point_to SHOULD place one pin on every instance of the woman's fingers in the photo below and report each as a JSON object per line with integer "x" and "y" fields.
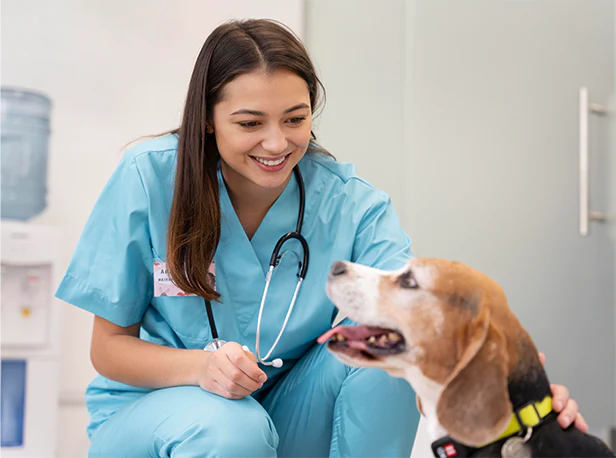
{"x": 218, "y": 389}
{"x": 580, "y": 423}
{"x": 247, "y": 363}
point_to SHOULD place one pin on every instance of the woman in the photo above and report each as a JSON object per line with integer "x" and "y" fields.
{"x": 189, "y": 220}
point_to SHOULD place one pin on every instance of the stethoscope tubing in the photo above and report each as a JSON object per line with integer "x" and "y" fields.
{"x": 274, "y": 261}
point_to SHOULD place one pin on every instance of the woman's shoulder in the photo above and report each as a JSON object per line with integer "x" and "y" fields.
{"x": 153, "y": 163}
{"x": 340, "y": 176}
{"x": 150, "y": 149}
{"x": 344, "y": 173}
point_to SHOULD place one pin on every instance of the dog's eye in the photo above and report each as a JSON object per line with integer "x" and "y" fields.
{"x": 407, "y": 280}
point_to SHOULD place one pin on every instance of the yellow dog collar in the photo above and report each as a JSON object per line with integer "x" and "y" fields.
{"x": 522, "y": 419}
{"x": 530, "y": 416}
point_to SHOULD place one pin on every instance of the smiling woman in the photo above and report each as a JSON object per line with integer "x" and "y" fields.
{"x": 211, "y": 199}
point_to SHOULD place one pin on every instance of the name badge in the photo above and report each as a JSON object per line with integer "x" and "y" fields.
{"x": 163, "y": 286}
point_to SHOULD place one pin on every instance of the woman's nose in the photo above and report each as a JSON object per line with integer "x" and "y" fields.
{"x": 275, "y": 142}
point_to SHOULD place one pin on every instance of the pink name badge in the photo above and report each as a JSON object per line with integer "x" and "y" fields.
{"x": 163, "y": 286}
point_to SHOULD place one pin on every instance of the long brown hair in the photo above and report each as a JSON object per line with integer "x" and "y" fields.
{"x": 232, "y": 49}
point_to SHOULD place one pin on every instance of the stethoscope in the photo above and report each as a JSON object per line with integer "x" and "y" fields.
{"x": 274, "y": 262}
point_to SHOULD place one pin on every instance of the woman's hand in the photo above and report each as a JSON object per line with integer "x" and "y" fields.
{"x": 565, "y": 407}
{"x": 231, "y": 372}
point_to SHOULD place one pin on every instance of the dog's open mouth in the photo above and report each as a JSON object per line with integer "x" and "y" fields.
{"x": 367, "y": 342}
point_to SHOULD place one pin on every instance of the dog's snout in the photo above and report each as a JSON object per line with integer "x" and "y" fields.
{"x": 338, "y": 268}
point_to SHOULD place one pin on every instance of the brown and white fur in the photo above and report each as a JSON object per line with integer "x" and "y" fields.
{"x": 461, "y": 348}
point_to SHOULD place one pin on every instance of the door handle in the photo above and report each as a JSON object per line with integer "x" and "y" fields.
{"x": 586, "y": 214}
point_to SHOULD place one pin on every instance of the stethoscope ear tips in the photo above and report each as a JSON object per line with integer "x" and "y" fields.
{"x": 277, "y": 363}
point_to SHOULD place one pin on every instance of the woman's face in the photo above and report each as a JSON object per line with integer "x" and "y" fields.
{"x": 262, "y": 127}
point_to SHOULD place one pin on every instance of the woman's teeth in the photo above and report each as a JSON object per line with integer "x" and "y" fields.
{"x": 270, "y": 163}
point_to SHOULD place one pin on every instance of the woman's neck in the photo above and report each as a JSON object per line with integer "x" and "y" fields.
{"x": 250, "y": 201}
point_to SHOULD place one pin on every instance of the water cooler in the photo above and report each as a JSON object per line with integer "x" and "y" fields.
{"x": 30, "y": 348}
{"x": 30, "y": 344}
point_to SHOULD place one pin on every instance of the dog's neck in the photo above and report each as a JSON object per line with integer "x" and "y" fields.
{"x": 429, "y": 393}
{"x": 527, "y": 383}
{"x": 528, "y": 380}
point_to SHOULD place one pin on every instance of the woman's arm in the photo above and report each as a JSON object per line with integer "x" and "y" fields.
{"x": 119, "y": 354}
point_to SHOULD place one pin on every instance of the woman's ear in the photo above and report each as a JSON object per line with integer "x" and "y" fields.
{"x": 208, "y": 128}
{"x": 474, "y": 407}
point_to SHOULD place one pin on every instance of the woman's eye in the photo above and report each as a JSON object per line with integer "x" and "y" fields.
{"x": 297, "y": 120}
{"x": 249, "y": 124}
{"x": 407, "y": 281}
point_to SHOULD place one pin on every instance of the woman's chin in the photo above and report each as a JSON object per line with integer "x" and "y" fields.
{"x": 271, "y": 183}
{"x": 272, "y": 180}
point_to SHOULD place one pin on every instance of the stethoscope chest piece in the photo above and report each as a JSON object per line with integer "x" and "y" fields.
{"x": 214, "y": 345}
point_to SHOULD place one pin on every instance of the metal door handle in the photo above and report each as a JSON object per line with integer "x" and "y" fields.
{"x": 586, "y": 214}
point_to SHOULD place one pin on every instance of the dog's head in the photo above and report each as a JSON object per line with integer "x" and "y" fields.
{"x": 438, "y": 318}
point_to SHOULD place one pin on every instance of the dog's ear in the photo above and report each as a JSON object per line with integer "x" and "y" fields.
{"x": 474, "y": 406}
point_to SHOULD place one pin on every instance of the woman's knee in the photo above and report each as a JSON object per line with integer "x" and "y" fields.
{"x": 187, "y": 422}
{"x": 247, "y": 432}
{"x": 373, "y": 392}
{"x": 224, "y": 427}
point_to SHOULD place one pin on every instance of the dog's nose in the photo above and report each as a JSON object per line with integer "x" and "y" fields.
{"x": 338, "y": 268}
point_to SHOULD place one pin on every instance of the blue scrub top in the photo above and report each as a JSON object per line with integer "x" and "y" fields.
{"x": 111, "y": 271}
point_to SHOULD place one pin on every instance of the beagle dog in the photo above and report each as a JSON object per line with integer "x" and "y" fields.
{"x": 447, "y": 329}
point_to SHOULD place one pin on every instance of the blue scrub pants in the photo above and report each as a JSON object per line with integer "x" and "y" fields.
{"x": 320, "y": 408}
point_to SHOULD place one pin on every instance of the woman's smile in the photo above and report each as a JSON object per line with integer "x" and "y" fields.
{"x": 271, "y": 164}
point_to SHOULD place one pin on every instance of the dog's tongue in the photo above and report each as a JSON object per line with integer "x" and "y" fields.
{"x": 352, "y": 333}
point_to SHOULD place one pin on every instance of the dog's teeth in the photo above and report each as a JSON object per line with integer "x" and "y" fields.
{"x": 372, "y": 339}
{"x": 383, "y": 339}
{"x": 394, "y": 337}
{"x": 339, "y": 338}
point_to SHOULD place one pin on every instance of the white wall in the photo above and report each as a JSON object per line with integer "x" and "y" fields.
{"x": 114, "y": 71}
{"x": 358, "y": 48}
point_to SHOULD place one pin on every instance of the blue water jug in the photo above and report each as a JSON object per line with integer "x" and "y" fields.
{"x": 25, "y": 145}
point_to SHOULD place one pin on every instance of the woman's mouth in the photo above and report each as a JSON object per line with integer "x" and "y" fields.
{"x": 271, "y": 165}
